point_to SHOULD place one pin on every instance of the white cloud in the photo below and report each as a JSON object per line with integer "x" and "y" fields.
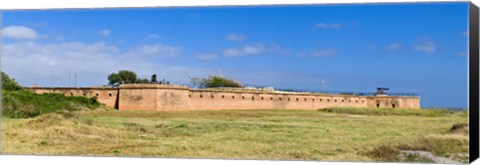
{"x": 322, "y": 25}
{"x": 208, "y": 56}
{"x": 236, "y": 37}
{"x": 317, "y": 53}
{"x": 465, "y": 33}
{"x": 394, "y": 47}
{"x": 252, "y": 49}
{"x": 157, "y": 50}
{"x": 153, "y": 36}
{"x": 105, "y": 32}
{"x": 32, "y": 62}
{"x": 426, "y": 45}
{"x": 20, "y": 32}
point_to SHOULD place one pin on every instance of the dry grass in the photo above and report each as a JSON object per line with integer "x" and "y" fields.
{"x": 395, "y": 111}
{"x": 236, "y": 134}
{"x": 443, "y": 145}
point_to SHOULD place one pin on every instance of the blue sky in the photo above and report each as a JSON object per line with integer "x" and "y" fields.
{"x": 419, "y": 48}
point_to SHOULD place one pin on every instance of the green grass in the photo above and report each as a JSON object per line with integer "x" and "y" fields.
{"x": 235, "y": 134}
{"x": 25, "y": 104}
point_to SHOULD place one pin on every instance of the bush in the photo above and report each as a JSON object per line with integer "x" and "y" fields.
{"x": 461, "y": 128}
{"x": 384, "y": 153}
{"x": 9, "y": 84}
{"x": 25, "y": 104}
{"x": 215, "y": 81}
{"x": 125, "y": 77}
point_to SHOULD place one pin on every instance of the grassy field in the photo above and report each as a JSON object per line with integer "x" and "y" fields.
{"x": 329, "y": 134}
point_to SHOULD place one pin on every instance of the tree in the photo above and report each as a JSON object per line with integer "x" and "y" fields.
{"x": 125, "y": 77}
{"x": 9, "y": 84}
{"x": 142, "y": 81}
{"x": 122, "y": 77}
{"x": 214, "y": 81}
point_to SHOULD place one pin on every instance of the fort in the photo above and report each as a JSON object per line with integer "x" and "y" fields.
{"x": 177, "y": 97}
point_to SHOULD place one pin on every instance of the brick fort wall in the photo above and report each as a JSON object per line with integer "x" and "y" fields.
{"x": 175, "y": 97}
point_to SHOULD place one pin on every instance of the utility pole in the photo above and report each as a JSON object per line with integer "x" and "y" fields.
{"x": 52, "y": 79}
{"x": 75, "y": 80}
{"x": 69, "y": 80}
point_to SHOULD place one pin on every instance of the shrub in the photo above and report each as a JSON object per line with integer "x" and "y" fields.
{"x": 125, "y": 77}
{"x": 25, "y": 104}
{"x": 461, "y": 128}
{"x": 215, "y": 81}
{"x": 384, "y": 152}
{"x": 9, "y": 84}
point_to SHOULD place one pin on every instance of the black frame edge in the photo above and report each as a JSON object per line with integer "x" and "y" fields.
{"x": 474, "y": 82}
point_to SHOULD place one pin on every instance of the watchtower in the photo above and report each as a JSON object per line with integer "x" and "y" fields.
{"x": 381, "y": 91}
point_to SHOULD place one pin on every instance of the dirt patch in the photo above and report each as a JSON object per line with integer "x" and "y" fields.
{"x": 438, "y": 148}
{"x": 425, "y": 156}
